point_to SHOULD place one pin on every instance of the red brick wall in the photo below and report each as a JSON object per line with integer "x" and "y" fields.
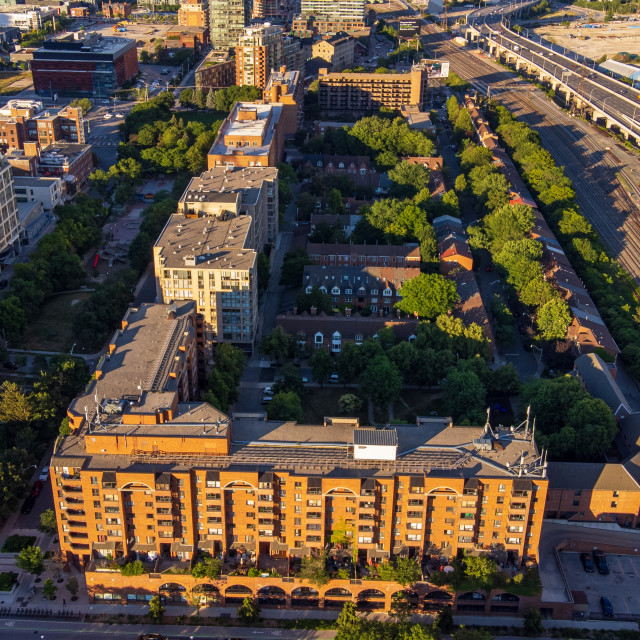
{"x": 126, "y": 66}
{"x": 62, "y": 76}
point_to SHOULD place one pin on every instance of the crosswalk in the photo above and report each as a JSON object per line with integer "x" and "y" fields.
{"x": 104, "y": 141}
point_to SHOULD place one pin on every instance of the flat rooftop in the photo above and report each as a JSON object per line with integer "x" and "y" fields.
{"x": 55, "y": 153}
{"x": 139, "y": 366}
{"x": 434, "y": 448}
{"x": 207, "y": 242}
{"x": 221, "y": 180}
{"x": 262, "y": 127}
{"x": 92, "y": 43}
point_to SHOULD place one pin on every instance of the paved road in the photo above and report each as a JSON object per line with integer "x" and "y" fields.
{"x": 611, "y": 96}
{"x": 59, "y": 630}
{"x": 574, "y": 144}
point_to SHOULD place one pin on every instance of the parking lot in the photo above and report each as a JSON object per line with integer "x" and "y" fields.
{"x": 620, "y": 586}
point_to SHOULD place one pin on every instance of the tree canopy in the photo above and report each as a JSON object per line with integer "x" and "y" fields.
{"x": 428, "y": 296}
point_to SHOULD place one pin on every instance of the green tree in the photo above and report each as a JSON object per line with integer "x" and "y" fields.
{"x": 554, "y": 319}
{"x": 350, "y": 362}
{"x": 186, "y": 97}
{"x": 342, "y": 534}
{"x": 49, "y": 589}
{"x": 401, "y": 609}
{"x": 481, "y": 568}
{"x": 290, "y": 380}
{"x": 349, "y": 404}
{"x": 408, "y": 179}
{"x": 48, "y": 523}
{"x": 381, "y": 381}
{"x": 276, "y": 345}
{"x": 464, "y": 633}
{"x": 444, "y": 620}
{"x": 321, "y": 364}
{"x": 264, "y": 271}
{"x": 348, "y": 623}
{"x": 306, "y": 205}
{"x": 211, "y": 100}
{"x": 460, "y": 184}
{"x": 293, "y": 266}
{"x": 314, "y": 569}
{"x": 31, "y": 560}
{"x": 285, "y": 405}
{"x": 463, "y": 127}
{"x": 135, "y": 568}
{"x": 15, "y": 405}
{"x": 72, "y": 587}
{"x": 428, "y": 296}
{"x": 463, "y": 396}
{"x": 13, "y": 318}
{"x": 532, "y": 623}
{"x": 249, "y": 611}
{"x": 156, "y": 610}
{"x": 207, "y": 568}
{"x": 407, "y": 571}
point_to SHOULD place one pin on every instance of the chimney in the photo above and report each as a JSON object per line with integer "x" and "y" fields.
{"x": 347, "y": 313}
{"x": 314, "y": 311}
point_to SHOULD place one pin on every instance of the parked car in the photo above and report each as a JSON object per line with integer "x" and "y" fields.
{"x": 44, "y": 474}
{"x": 333, "y": 379}
{"x": 607, "y": 607}
{"x": 268, "y": 391}
{"x": 37, "y": 488}
{"x": 587, "y": 562}
{"x": 28, "y": 504}
{"x": 267, "y": 399}
{"x": 601, "y": 562}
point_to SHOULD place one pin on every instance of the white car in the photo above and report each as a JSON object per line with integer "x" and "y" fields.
{"x": 107, "y": 116}
{"x": 119, "y": 115}
{"x": 268, "y": 391}
{"x": 44, "y": 474}
{"x": 266, "y": 399}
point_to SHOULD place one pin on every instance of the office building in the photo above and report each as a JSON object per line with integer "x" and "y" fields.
{"x": 194, "y": 13}
{"x": 248, "y": 191}
{"x": 83, "y": 65}
{"x": 338, "y": 50}
{"x": 26, "y": 18}
{"x": 216, "y": 71}
{"x": 259, "y": 50}
{"x": 369, "y": 91}
{"x": 9, "y": 224}
{"x": 286, "y": 88}
{"x": 227, "y": 20}
{"x": 251, "y": 136}
{"x": 210, "y": 258}
{"x": 294, "y": 56}
{"x": 48, "y": 191}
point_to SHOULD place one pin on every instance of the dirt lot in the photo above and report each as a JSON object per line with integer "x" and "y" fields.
{"x": 140, "y": 32}
{"x": 611, "y": 38}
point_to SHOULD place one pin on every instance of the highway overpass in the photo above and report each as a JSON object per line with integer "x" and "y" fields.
{"x": 578, "y": 78}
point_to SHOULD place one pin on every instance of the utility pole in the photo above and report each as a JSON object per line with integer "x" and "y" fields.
{"x": 445, "y": 16}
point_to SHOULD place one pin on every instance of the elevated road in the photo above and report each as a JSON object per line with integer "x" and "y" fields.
{"x": 576, "y": 75}
{"x": 574, "y": 144}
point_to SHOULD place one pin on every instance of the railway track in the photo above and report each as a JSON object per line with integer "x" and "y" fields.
{"x": 595, "y": 172}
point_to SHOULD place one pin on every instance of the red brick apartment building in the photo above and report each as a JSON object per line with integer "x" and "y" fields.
{"x": 379, "y": 255}
{"x": 149, "y": 472}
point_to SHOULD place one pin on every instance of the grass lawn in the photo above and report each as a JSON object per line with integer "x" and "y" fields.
{"x": 206, "y": 117}
{"x": 16, "y": 543}
{"x": 7, "y": 78}
{"x": 7, "y": 580}
{"x": 53, "y": 329}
